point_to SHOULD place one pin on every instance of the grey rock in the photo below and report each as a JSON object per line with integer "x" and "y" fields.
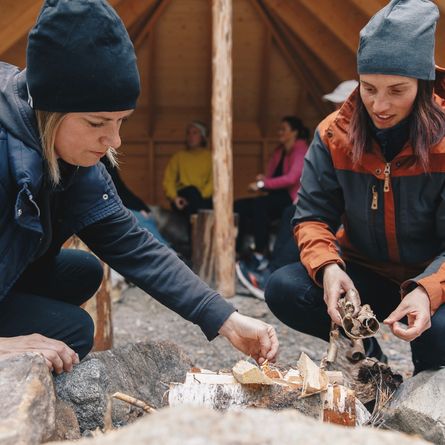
{"x": 141, "y": 370}
{"x": 202, "y": 426}
{"x": 418, "y": 406}
{"x": 27, "y": 414}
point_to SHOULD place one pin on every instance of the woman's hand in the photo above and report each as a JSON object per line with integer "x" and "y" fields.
{"x": 58, "y": 356}
{"x": 180, "y": 202}
{"x": 416, "y": 307}
{"x": 252, "y": 187}
{"x": 252, "y": 337}
{"x": 335, "y": 283}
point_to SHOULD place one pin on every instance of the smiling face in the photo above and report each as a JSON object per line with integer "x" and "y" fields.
{"x": 387, "y": 99}
{"x": 83, "y": 138}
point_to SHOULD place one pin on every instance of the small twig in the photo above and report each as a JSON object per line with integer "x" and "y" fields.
{"x": 133, "y": 401}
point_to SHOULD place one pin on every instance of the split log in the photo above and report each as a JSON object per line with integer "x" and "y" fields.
{"x": 248, "y": 374}
{"x": 339, "y": 406}
{"x": 223, "y": 392}
{"x": 314, "y": 379}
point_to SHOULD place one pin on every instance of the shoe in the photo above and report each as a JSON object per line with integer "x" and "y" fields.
{"x": 251, "y": 279}
{"x": 255, "y": 261}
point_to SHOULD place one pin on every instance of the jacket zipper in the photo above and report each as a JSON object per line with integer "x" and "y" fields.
{"x": 375, "y": 199}
{"x": 387, "y": 173}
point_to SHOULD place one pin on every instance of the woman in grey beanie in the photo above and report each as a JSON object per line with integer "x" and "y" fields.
{"x": 371, "y": 209}
{"x": 58, "y": 118}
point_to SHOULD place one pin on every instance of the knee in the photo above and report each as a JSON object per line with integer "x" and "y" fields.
{"x": 93, "y": 274}
{"x": 286, "y": 285}
{"x": 84, "y": 341}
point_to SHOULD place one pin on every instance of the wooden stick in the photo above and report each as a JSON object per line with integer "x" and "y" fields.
{"x": 133, "y": 401}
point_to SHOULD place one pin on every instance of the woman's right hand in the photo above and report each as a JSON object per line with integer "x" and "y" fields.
{"x": 336, "y": 282}
{"x": 58, "y": 356}
{"x": 180, "y": 202}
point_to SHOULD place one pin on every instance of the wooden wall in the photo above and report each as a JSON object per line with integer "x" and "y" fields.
{"x": 286, "y": 54}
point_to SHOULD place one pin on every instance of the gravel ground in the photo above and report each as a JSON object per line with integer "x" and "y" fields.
{"x": 138, "y": 317}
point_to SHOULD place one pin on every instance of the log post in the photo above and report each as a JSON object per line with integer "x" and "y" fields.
{"x": 224, "y": 233}
{"x": 99, "y": 305}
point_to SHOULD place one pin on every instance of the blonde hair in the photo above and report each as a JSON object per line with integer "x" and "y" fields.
{"x": 48, "y": 122}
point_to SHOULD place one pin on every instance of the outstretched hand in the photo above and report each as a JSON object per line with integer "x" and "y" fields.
{"x": 416, "y": 307}
{"x": 252, "y": 337}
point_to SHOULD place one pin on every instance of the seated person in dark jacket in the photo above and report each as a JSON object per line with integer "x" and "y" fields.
{"x": 132, "y": 202}
{"x": 58, "y": 118}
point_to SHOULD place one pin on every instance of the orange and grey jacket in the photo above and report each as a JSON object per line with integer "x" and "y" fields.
{"x": 387, "y": 216}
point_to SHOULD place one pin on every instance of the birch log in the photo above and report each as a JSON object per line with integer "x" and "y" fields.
{"x": 222, "y": 147}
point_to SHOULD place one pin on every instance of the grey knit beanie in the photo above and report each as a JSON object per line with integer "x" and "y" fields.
{"x": 399, "y": 40}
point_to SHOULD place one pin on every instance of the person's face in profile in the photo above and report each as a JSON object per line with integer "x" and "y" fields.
{"x": 83, "y": 138}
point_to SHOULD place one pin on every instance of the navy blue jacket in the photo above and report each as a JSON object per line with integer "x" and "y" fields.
{"x": 89, "y": 207}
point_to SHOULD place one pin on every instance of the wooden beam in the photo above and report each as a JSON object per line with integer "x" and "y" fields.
{"x": 310, "y": 64}
{"x": 304, "y": 77}
{"x": 17, "y": 28}
{"x": 130, "y": 11}
{"x": 369, "y": 7}
{"x": 224, "y": 231}
{"x": 151, "y": 23}
{"x": 313, "y": 33}
{"x": 334, "y": 16}
{"x": 265, "y": 83}
{"x": 27, "y": 12}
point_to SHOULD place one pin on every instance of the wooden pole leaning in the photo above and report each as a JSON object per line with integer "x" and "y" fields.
{"x": 224, "y": 230}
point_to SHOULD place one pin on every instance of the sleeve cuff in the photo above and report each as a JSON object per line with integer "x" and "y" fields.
{"x": 432, "y": 286}
{"x": 217, "y": 311}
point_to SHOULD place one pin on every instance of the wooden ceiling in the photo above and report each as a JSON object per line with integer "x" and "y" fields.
{"x": 316, "y": 42}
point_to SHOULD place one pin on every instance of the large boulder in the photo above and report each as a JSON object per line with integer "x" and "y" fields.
{"x": 141, "y": 370}
{"x": 418, "y": 406}
{"x": 201, "y": 426}
{"x": 27, "y": 400}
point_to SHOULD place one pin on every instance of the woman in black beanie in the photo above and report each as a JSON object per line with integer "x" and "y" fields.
{"x": 58, "y": 118}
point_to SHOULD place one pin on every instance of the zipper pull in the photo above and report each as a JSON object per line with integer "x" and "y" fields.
{"x": 375, "y": 199}
{"x": 387, "y": 173}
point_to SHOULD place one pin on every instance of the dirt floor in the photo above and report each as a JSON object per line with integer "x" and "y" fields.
{"x": 138, "y": 317}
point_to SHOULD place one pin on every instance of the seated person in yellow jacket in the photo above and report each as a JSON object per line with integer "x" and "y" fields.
{"x": 188, "y": 176}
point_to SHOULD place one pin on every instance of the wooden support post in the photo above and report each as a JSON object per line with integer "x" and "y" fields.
{"x": 224, "y": 233}
{"x": 99, "y": 305}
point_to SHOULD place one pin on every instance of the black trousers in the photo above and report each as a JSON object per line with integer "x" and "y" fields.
{"x": 285, "y": 250}
{"x": 47, "y": 297}
{"x": 194, "y": 199}
{"x": 256, "y": 214}
{"x": 298, "y": 302}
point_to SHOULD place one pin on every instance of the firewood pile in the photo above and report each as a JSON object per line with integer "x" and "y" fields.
{"x": 337, "y": 391}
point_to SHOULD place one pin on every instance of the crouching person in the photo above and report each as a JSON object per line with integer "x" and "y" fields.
{"x": 58, "y": 118}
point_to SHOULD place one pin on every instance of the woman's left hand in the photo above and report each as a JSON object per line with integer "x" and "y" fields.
{"x": 252, "y": 337}
{"x": 416, "y": 307}
{"x": 253, "y": 187}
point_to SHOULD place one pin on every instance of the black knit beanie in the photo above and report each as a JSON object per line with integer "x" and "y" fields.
{"x": 80, "y": 59}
